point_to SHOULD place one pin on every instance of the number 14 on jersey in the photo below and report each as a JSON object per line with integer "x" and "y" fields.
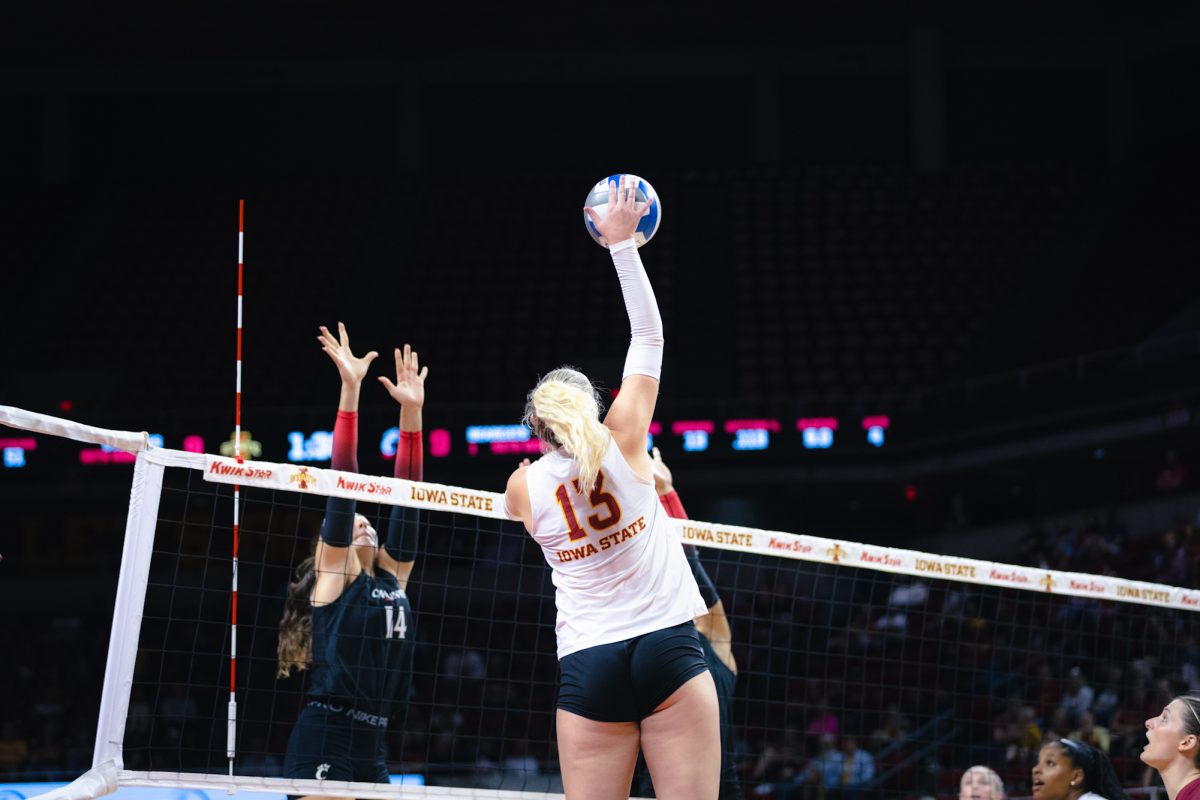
{"x": 400, "y": 628}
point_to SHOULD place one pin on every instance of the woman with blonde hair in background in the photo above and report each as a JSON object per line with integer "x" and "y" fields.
{"x": 1173, "y": 747}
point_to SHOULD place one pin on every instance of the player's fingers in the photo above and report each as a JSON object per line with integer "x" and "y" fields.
{"x": 424, "y": 372}
{"x": 371, "y": 356}
{"x": 646, "y": 210}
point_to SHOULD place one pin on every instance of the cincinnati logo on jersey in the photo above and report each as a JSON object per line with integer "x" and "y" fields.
{"x": 384, "y": 594}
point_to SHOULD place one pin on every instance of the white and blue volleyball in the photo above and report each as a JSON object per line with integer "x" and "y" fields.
{"x": 597, "y": 200}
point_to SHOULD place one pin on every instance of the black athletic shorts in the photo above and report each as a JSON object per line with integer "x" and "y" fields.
{"x": 332, "y": 741}
{"x": 625, "y": 681}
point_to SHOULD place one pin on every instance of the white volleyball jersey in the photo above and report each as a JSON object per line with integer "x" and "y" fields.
{"x": 618, "y": 564}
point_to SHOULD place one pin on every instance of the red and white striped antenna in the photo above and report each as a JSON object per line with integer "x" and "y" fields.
{"x": 231, "y": 733}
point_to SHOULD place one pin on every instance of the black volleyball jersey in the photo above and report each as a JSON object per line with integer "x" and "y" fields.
{"x": 363, "y": 645}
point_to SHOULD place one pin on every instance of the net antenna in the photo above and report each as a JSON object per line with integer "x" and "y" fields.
{"x": 231, "y": 735}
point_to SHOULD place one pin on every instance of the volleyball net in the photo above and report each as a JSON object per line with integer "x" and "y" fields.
{"x": 863, "y": 671}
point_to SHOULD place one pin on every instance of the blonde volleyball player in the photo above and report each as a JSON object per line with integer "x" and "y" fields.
{"x": 1173, "y": 747}
{"x": 347, "y": 618}
{"x": 631, "y": 669}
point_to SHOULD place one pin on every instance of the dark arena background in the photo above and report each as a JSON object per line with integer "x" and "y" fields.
{"x": 930, "y": 280}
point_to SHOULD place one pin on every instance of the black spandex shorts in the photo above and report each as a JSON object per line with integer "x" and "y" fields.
{"x": 625, "y": 681}
{"x": 334, "y": 742}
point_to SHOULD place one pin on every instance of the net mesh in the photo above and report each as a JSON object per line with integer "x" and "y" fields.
{"x": 852, "y": 681}
{"x": 863, "y": 671}
{"x": 483, "y": 620}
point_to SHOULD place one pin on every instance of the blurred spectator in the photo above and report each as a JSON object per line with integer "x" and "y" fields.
{"x": 465, "y": 665}
{"x": 1189, "y": 669}
{"x": 488, "y": 774}
{"x": 859, "y": 634}
{"x": 894, "y": 728}
{"x": 1047, "y": 692}
{"x": 1077, "y": 698}
{"x": 824, "y": 723}
{"x": 780, "y": 761}
{"x": 1109, "y": 697}
{"x": 14, "y": 750}
{"x": 826, "y": 750}
{"x": 1172, "y": 475}
{"x": 981, "y": 783}
{"x": 1058, "y": 726}
{"x": 1168, "y": 563}
{"x": 519, "y": 763}
{"x": 847, "y": 770}
{"x": 1129, "y": 721}
{"x": 1090, "y": 733}
{"x": 1018, "y": 732}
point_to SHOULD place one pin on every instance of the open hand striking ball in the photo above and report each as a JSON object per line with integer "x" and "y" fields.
{"x": 597, "y": 200}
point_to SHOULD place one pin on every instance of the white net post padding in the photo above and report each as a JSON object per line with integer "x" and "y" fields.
{"x": 96, "y": 782}
{"x": 127, "y": 611}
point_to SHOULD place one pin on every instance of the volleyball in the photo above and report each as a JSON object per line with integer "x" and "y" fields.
{"x": 597, "y": 200}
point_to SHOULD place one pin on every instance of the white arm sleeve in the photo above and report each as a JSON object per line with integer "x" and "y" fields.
{"x": 645, "y": 323}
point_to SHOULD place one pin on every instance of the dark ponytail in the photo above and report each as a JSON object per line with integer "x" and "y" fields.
{"x": 295, "y": 629}
{"x": 1098, "y": 773}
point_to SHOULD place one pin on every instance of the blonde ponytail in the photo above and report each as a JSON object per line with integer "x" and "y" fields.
{"x": 563, "y": 410}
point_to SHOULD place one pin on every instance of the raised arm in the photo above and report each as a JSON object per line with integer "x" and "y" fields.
{"x": 631, "y": 412}
{"x": 404, "y": 524}
{"x": 336, "y": 563}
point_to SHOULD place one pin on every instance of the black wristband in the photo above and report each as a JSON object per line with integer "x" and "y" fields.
{"x": 338, "y": 528}
{"x": 403, "y": 534}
